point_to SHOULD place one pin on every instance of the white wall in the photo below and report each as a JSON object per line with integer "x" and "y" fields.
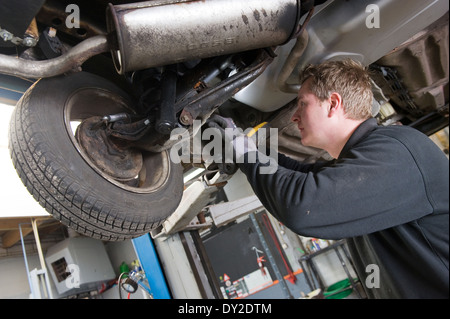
{"x": 121, "y": 251}
{"x": 14, "y": 198}
{"x": 13, "y": 277}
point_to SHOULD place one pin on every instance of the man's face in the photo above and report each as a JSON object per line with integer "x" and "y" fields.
{"x": 310, "y": 117}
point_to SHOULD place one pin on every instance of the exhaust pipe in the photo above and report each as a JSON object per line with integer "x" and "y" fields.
{"x": 70, "y": 61}
{"x": 156, "y": 33}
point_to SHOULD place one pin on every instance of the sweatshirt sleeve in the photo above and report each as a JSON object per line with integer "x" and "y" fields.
{"x": 291, "y": 164}
{"x": 294, "y": 165}
{"x": 357, "y": 195}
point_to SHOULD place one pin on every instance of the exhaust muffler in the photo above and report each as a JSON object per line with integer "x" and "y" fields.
{"x": 161, "y": 32}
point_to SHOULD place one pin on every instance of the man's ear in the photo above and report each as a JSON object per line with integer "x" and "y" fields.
{"x": 335, "y": 104}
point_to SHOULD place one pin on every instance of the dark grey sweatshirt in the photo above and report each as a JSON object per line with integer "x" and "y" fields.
{"x": 387, "y": 193}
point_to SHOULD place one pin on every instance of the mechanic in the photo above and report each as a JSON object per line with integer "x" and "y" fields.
{"x": 386, "y": 190}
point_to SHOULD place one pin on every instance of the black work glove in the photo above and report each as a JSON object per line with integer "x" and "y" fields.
{"x": 233, "y": 137}
{"x": 222, "y": 123}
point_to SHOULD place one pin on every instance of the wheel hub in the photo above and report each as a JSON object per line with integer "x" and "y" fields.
{"x": 107, "y": 153}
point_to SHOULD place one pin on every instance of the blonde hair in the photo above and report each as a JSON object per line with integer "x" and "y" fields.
{"x": 348, "y": 78}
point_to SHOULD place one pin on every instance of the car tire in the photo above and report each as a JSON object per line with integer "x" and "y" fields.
{"x": 57, "y": 172}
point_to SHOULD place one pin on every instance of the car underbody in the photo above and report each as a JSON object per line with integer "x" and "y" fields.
{"x": 123, "y": 76}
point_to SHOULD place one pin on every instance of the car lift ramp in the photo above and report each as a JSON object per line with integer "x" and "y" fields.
{"x": 170, "y": 240}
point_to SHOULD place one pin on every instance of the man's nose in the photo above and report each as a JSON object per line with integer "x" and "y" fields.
{"x": 295, "y": 117}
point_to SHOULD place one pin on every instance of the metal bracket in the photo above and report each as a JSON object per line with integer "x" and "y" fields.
{"x": 194, "y": 199}
{"x": 209, "y": 99}
{"x": 224, "y": 213}
{"x": 27, "y": 41}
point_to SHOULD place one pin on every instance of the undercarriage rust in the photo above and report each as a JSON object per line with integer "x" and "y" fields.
{"x": 121, "y": 163}
{"x": 208, "y": 100}
{"x": 421, "y": 66}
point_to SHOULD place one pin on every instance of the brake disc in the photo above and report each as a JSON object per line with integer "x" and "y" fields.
{"x": 112, "y": 158}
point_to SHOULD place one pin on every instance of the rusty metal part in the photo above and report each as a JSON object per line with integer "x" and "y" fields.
{"x": 205, "y": 102}
{"x": 32, "y": 31}
{"x": 421, "y": 69}
{"x": 69, "y": 61}
{"x": 30, "y": 38}
{"x": 156, "y": 33}
{"x": 129, "y": 130}
{"x": 54, "y": 14}
{"x": 120, "y": 163}
{"x": 294, "y": 57}
{"x": 290, "y": 64}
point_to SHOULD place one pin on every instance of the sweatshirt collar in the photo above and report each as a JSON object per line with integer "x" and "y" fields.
{"x": 361, "y": 131}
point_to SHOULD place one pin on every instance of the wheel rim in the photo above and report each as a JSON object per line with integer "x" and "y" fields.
{"x": 88, "y": 102}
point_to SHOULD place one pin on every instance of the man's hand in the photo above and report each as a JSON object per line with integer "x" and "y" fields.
{"x": 232, "y": 135}
{"x": 224, "y": 124}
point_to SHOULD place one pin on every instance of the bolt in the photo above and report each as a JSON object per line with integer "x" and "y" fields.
{"x": 29, "y": 42}
{"x": 6, "y": 36}
{"x": 185, "y": 119}
{"x": 164, "y": 127}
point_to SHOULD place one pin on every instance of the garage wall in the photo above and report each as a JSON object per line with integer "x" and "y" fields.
{"x": 118, "y": 252}
{"x": 14, "y": 197}
{"x": 13, "y": 277}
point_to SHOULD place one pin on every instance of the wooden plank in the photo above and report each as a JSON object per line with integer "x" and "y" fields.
{"x": 10, "y": 238}
{"x": 11, "y": 225}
